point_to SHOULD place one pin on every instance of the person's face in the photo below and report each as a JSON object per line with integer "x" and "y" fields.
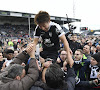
{"x": 44, "y": 26}
{"x": 93, "y": 61}
{"x": 10, "y": 56}
{"x": 90, "y": 43}
{"x": 98, "y": 47}
{"x": 77, "y": 56}
{"x": 5, "y": 43}
{"x": 93, "y": 49}
{"x": 63, "y": 55}
{"x": 83, "y": 40}
{"x": 1, "y": 57}
{"x": 74, "y": 38}
{"x": 86, "y": 49}
{"x": 15, "y": 53}
{"x": 15, "y": 43}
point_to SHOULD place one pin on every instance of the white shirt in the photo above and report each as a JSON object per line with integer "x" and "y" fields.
{"x": 8, "y": 62}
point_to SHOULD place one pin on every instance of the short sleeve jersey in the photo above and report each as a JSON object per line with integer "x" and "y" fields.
{"x": 51, "y": 37}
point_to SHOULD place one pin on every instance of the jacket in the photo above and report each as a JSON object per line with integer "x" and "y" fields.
{"x": 81, "y": 69}
{"x": 26, "y": 82}
{"x": 73, "y": 45}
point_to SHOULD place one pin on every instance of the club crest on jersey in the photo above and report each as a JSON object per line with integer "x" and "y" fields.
{"x": 48, "y": 43}
{"x": 57, "y": 30}
{"x": 50, "y": 34}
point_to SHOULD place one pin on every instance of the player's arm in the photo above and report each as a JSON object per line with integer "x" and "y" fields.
{"x": 35, "y": 41}
{"x": 66, "y": 46}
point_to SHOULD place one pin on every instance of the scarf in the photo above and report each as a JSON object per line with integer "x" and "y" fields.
{"x": 93, "y": 71}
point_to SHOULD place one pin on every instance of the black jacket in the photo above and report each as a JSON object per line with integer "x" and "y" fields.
{"x": 73, "y": 45}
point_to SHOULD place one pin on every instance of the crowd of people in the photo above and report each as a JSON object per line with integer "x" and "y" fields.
{"x": 9, "y": 30}
{"x": 52, "y": 60}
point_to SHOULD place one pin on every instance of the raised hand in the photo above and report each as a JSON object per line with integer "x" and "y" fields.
{"x": 30, "y": 49}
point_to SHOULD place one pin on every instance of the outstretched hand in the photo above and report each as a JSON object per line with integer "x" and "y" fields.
{"x": 31, "y": 50}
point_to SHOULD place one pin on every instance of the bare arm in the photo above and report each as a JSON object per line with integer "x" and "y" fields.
{"x": 66, "y": 46}
{"x": 35, "y": 41}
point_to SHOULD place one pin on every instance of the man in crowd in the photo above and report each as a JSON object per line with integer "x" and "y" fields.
{"x": 62, "y": 57}
{"x": 94, "y": 66}
{"x": 93, "y": 82}
{"x": 80, "y": 64}
{"x": 93, "y": 50}
{"x": 73, "y": 44}
{"x": 15, "y": 53}
{"x": 98, "y": 48}
{"x": 15, "y": 77}
{"x": 80, "y": 67}
{"x": 86, "y": 51}
{"x": 8, "y": 54}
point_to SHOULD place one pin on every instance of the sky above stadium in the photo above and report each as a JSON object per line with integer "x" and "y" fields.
{"x": 86, "y": 10}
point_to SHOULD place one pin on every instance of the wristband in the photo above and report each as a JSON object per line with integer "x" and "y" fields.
{"x": 25, "y": 52}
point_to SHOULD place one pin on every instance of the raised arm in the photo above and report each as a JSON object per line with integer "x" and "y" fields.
{"x": 66, "y": 46}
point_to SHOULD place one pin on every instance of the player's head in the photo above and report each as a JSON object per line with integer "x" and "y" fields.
{"x": 42, "y": 19}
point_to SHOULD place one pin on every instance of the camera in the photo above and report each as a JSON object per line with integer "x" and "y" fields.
{"x": 71, "y": 28}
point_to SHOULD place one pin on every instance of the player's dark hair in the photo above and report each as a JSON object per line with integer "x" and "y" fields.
{"x": 41, "y": 17}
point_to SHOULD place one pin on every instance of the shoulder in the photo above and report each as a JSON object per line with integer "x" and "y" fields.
{"x": 53, "y": 24}
{"x": 59, "y": 31}
{"x": 77, "y": 43}
{"x": 37, "y": 28}
{"x": 86, "y": 61}
{"x": 17, "y": 84}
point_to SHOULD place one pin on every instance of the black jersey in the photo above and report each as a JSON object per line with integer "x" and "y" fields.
{"x": 51, "y": 37}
